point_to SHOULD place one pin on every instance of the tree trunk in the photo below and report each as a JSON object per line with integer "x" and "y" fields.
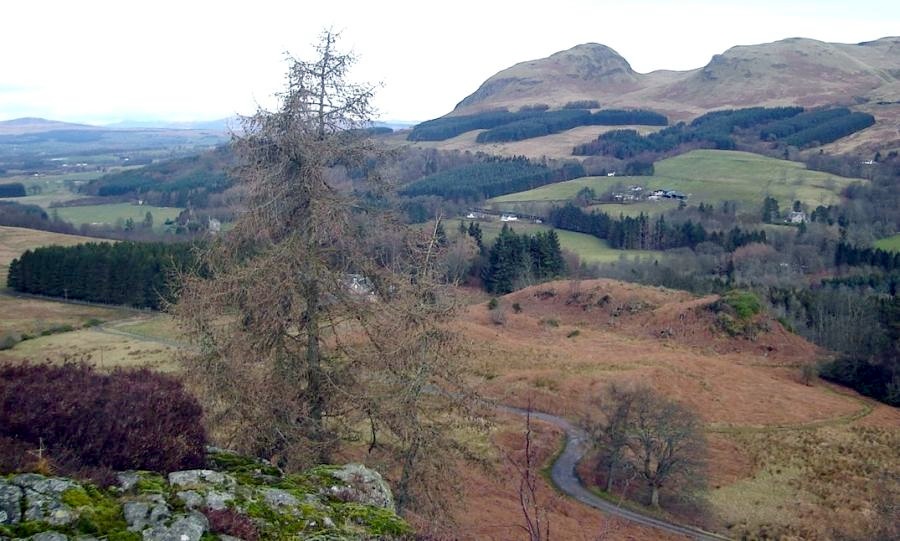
{"x": 609, "y": 477}
{"x": 654, "y": 496}
{"x": 314, "y": 367}
{"x": 402, "y": 495}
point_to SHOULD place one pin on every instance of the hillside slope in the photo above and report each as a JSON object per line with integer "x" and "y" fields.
{"x": 775, "y": 444}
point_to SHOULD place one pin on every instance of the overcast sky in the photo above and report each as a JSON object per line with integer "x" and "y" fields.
{"x": 104, "y": 61}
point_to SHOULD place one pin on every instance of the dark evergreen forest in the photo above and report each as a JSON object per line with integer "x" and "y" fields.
{"x": 516, "y": 260}
{"x": 529, "y": 122}
{"x": 644, "y": 233}
{"x": 125, "y": 273}
{"x": 12, "y": 189}
{"x": 491, "y": 178}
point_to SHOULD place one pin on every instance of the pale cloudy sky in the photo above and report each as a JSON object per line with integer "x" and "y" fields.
{"x": 104, "y": 61}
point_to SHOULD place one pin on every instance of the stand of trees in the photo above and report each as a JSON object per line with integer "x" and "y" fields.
{"x": 33, "y": 217}
{"x": 644, "y": 233}
{"x": 550, "y": 122}
{"x": 491, "y": 178}
{"x": 788, "y": 125}
{"x": 515, "y": 260}
{"x": 12, "y": 189}
{"x": 529, "y": 122}
{"x": 447, "y": 127}
{"x": 177, "y": 182}
{"x": 816, "y": 127}
{"x": 712, "y": 130}
{"x": 845, "y": 254}
{"x": 125, "y": 273}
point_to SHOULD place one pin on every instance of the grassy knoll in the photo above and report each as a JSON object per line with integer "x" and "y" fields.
{"x": 710, "y": 176}
{"x": 15, "y": 240}
{"x": 802, "y": 479}
{"x": 158, "y": 327}
{"x": 55, "y": 187}
{"x": 31, "y": 316}
{"x": 95, "y": 346}
{"x": 890, "y": 243}
{"x": 589, "y": 249}
{"x": 111, "y": 214}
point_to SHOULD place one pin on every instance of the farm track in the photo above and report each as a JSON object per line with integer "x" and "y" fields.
{"x": 112, "y": 328}
{"x": 564, "y": 477}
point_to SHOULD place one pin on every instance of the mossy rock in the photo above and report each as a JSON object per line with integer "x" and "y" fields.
{"x": 326, "y": 502}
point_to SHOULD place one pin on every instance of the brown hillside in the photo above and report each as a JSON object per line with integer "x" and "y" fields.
{"x": 568, "y": 340}
{"x": 571, "y": 338}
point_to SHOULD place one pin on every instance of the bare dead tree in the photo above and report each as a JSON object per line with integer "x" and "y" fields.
{"x": 535, "y": 512}
{"x": 317, "y": 314}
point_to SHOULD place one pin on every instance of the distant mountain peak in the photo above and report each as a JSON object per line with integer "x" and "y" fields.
{"x": 589, "y": 65}
{"x": 31, "y": 124}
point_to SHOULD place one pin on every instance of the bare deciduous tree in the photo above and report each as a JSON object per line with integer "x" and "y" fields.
{"x": 666, "y": 441}
{"x": 610, "y": 432}
{"x": 658, "y": 439}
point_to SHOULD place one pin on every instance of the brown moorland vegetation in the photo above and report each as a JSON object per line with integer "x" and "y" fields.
{"x": 785, "y": 459}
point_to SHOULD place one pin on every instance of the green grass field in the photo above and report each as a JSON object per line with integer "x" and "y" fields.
{"x": 54, "y": 187}
{"x": 710, "y": 176}
{"x": 589, "y": 249}
{"x": 111, "y": 214}
{"x": 892, "y": 244}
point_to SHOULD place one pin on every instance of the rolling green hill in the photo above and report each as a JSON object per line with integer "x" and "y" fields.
{"x": 588, "y": 248}
{"x": 115, "y": 213}
{"x": 709, "y": 176}
{"x": 891, "y": 244}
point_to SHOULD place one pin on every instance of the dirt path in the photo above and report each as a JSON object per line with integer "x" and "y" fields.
{"x": 113, "y": 328}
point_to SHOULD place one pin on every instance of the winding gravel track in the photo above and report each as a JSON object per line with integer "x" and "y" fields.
{"x": 566, "y": 480}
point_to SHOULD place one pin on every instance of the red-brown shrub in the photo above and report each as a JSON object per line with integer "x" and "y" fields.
{"x": 128, "y": 419}
{"x": 230, "y": 522}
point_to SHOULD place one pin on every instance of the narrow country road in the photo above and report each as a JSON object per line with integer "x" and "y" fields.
{"x": 566, "y": 480}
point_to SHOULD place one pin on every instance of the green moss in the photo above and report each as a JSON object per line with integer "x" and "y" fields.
{"x": 25, "y": 529}
{"x": 124, "y": 536}
{"x": 375, "y": 520}
{"x": 99, "y": 513}
{"x": 76, "y": 497}
{"x": 151, "y": 482}
{"x": 275, "y": 525}
{"x": 236, "y": 464}
{"x": 299, "y": 485}
{"x": 744, "y": 303}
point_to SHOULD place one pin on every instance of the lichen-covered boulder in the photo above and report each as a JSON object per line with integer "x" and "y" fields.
{"x": 200, "y": 478}
{"x": 152, "y": 510}
{"x": 189, "y": 527}
{"x": 48, "y": 536}
{"x": 363, "y": 485}
{"x": 10, "y": 503}
{"x": 44, "y": 498}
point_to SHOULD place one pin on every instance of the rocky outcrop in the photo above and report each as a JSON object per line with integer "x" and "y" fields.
{"x": 236, "y": 498}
